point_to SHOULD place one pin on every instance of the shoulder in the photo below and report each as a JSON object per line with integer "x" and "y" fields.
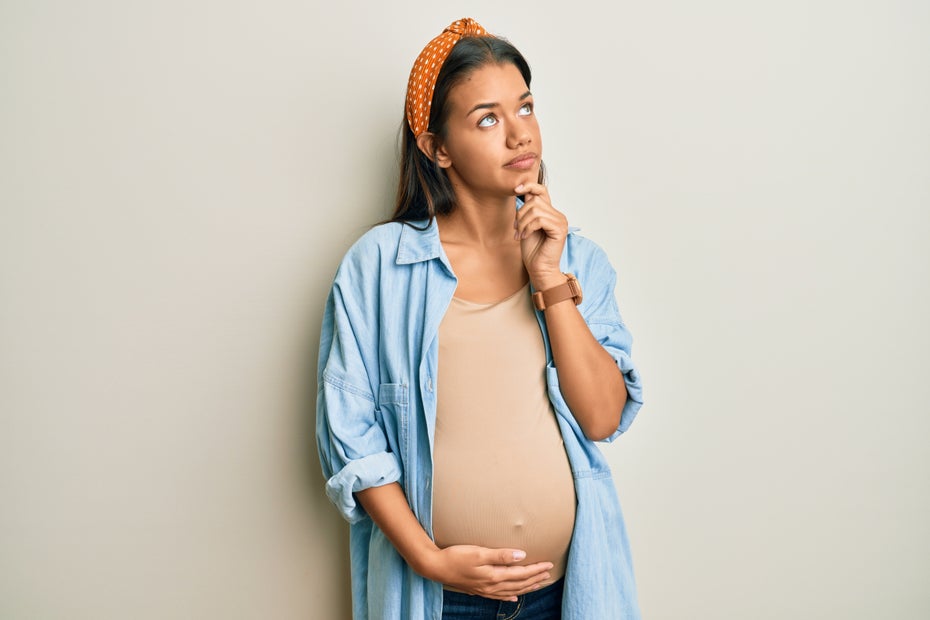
{"x": 598, "y": 279}
{"x": 585, "y": 258}
{"x": 378, "y": 240}
{"x": 384, "y": 254}
{"x": 377, "y": 246}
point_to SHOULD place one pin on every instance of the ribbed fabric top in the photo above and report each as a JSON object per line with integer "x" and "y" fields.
{"x": 501, "y": 477}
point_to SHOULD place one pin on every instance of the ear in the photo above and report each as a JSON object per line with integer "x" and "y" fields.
{"x": 431, "y": 146}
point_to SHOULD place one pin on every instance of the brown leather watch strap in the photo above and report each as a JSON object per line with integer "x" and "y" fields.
{"x": 551, "y": 296}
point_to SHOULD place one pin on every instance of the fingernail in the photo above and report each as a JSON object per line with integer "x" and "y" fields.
{"x": 518, "y": 188}
{"x": 519, "y": 555}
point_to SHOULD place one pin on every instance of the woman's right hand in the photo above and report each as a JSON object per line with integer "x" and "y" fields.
{"x": 491, "y": 573}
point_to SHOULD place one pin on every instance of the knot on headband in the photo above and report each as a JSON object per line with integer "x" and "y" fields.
{"x": 426, "y": 68}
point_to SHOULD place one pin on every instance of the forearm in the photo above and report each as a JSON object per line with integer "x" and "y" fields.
{"x": 387, "y": 506}
{"x": 589, "y": 378}
{"x": 493, "y": 573}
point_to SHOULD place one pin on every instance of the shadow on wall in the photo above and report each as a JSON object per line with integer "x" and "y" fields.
{"x": 361, "y": 206}
{"x": 331, "y": 576}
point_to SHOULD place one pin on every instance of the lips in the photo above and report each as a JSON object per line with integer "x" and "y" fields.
{"x": 524, "y": 161}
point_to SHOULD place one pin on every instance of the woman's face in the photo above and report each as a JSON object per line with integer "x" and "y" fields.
{"x": 492, "y": 142}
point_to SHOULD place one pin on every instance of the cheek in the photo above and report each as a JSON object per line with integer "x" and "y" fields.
{"x": 470, "y": 154}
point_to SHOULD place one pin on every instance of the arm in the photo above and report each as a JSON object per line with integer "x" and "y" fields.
{"x": 491, "y": 573}
{"x": 590, "y": 379}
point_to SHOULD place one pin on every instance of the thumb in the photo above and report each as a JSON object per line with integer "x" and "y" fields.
{"x": 510, "y": 556}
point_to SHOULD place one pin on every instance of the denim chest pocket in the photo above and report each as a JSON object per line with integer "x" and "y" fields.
{"x": 393, "y": 403}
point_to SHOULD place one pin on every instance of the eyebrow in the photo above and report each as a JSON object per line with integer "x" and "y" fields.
{"x": 487, "y": 106}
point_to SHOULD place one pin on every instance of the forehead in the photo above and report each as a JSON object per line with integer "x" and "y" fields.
{"x": 490, "y": 84}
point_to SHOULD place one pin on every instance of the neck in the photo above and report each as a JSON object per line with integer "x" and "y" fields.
{"x": 479, "y": 220}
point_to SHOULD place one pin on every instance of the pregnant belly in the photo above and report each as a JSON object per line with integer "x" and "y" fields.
{"x": 519, "y": 497}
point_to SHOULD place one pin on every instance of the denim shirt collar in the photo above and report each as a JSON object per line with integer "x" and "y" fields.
{"x": 419, "y": 242}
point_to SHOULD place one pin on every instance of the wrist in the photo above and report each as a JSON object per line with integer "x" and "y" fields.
{"x": 568, "y": 289}
{"x": 547, "y": 280}
{"x": 427, "y": 562}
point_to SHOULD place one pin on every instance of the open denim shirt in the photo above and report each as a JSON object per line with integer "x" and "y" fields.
{"x": 376, "y": 415}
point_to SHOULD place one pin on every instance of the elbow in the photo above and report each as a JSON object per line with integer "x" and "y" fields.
{"x": 602, "y": 429}
{"x": 597, "y": 436}
{"x": 602, "y": 424}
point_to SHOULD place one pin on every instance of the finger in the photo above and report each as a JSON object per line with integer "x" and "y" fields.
{"x": 505, "y": 575}
{"x": 534, "y": 201}
{"x": 536, "y": 210}
{"x": 529, "y": 227}
{"x": 546, "y": 222}
{"x": 510, "y": 598}
{"x": 529, "y": 585}
{"x": 502, "y": 556}
{"x": 511, "y": 590}
{"x": 530, "y": 189}
{"x": 512, "y": 586}
{"x": 531, "y": 193}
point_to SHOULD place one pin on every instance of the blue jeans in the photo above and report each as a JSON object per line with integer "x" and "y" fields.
{"x": 543, "y": 604}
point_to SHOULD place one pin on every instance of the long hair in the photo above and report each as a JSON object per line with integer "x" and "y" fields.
{"x": 424, "y": 190}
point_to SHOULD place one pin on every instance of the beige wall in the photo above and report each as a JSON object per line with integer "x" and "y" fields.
{"x": 179, "y": 179}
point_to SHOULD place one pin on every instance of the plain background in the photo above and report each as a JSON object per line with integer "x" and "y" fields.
{"x": 180, "y": 179}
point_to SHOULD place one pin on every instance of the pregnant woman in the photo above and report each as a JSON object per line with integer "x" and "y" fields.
{"x": 472, "y": 352}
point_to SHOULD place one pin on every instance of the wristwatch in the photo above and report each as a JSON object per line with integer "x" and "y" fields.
{"x": 551, "y": 296}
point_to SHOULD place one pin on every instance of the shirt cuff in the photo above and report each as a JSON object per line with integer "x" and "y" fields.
{"x": 634, "y": 390}
{"x": 374, "y": 470}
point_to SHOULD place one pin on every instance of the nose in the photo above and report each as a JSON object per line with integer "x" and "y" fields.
{"x": 519, "y": 135}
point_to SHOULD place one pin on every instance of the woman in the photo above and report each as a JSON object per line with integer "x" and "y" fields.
{"x": 472, "y": 352}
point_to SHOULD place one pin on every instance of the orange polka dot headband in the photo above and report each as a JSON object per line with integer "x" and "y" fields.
{"x": 425, "y": 70}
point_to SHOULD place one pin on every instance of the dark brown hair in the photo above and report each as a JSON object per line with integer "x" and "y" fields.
{"x": 424, "y": 190}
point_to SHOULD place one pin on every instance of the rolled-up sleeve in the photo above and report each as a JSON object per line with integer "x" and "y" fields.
{"x": 353, "y": 447}
{"x": 606, "y": 324}
{"x": 616, "y": 340}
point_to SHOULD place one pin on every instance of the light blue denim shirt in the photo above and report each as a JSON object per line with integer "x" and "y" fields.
{"x": 376, "y": 418}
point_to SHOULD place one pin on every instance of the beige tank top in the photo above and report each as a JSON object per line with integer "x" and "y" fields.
{"x": 501, "y": 476}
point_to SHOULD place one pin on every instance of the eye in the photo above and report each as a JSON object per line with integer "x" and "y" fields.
{"x": 487, "y": 121}
{"x": 525, "y": 110}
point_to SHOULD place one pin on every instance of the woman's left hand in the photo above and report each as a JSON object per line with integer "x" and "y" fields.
{"x": 541, "y": 230}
